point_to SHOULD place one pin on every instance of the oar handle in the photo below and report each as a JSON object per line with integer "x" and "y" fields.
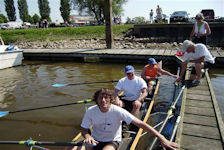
{"x": 30, "y": 109}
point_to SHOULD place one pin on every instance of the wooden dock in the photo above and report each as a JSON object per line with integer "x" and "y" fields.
{"x": 201, "y": 126}
{"x": 108, "y": 55}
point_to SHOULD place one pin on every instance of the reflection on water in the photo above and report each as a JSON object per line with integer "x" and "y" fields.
{"x": 29, "y": 86}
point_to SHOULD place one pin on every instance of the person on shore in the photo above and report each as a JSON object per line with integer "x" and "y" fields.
{"x": 1, "y": 41}
{"x": 199, "y": 55}
{"x": 159, "y": 14}
{"x": 151, "y": 16}
{"x": 153, "y": 70}
{"x": 106, "y": 119}
{"x": 200, "y": 30}
{"x": 135, "y": 91}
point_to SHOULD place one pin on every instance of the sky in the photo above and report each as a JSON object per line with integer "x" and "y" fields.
{"x": 135, "y": 8}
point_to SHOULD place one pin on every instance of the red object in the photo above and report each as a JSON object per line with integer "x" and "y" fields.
{"x": 179, "y": 53}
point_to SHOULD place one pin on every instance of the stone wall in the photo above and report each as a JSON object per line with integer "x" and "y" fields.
{"x": 178, "y": 32}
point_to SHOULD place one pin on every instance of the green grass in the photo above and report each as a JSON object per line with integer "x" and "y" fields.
{"x": 63, "y": 33}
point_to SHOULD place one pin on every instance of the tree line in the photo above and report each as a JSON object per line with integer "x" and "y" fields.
{"x": 94, "y": 8}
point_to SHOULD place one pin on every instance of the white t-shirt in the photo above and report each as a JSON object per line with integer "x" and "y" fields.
{"x": 200, "y": 50}
{"x": 132, "y": 88}
{"x": 106, "y": 126}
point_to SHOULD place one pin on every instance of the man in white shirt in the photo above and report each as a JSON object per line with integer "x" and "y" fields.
{"x": 135, "y": 91}
{"x": 106, "y": 119}
{"x": 200, "y": 56}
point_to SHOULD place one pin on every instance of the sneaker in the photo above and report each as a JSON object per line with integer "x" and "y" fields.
{"x": 196, "y": 83}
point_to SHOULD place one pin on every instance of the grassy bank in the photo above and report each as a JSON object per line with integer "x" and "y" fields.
{"x": 55, "y": 34}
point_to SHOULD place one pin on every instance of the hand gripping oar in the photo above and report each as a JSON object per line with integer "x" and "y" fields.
{"x": 32, "y": 143}
{"x": 63, "y": 85}
{"x": 3, "y": 113}
{"x": 169, "y": 113}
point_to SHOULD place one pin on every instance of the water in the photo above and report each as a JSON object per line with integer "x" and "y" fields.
{"x": 29, "y": 86}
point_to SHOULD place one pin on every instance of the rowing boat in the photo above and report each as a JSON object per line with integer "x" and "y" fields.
{"x": 129, "y": 141}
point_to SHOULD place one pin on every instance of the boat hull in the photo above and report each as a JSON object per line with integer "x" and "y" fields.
{"x": 11, "y": 58}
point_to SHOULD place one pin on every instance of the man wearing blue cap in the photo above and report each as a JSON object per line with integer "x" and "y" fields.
{"x": 153, "y": 70}
{"x": 135, "y": 91}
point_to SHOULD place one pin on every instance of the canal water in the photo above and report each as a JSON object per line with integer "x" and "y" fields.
{"x": 30, "y": 86}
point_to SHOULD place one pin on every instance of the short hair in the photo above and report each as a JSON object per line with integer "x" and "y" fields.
{"x": 103, "y": 92}
{"x": 199, "y": 16}
{"x": 186, "y": 45}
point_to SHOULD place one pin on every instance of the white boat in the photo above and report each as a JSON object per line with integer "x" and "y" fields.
{"x": 10, "y": 56}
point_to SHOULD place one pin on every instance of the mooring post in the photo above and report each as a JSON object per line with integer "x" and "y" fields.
{"x": 109, "y": 25}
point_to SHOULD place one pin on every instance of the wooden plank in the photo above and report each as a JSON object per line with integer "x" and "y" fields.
{"x": 173, "y": 52}
{"x": 200, "y": 87}
{"x": 197, "y": 143}
{"x": 190, "y": 91}
{"x": 215, "y": 53}
{"x": 199, "y": 111}
{"x": 199, "y": 97}
{"x": 167, "y": 52}
{"x": 201, "y": 131}
{"x": 200, "y": 120}
{"x": 161, "y": 52}
{"x": 201, "y": 104}
{"x": 155, "y": 51}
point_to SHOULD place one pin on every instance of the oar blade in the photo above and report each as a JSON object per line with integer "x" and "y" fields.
{"x": 3, "y": 113}
{"x": 60, "y": 85}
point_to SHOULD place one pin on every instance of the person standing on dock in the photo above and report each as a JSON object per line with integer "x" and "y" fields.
{"x": 135, "y": 91}
{"x": 159, "y": 14}
{"x": 153, "y": 70}
{"x": 200, "y": 30}
{"x": 151, "y": 16}
{"x": 106, "y": 119}
{"x": 199, "y": 55}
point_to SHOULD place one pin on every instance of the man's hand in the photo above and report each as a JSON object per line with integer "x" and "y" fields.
{"x": 90, "y": 140}
{"x": 167, "y": 144}
{"x": 178, "y": 79}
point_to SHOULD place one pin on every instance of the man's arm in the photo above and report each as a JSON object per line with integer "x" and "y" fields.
{"x": 88, "y": 138}
{"x": 165, "y": 143}
{"x": 143, "y": 95}
{"x": 200, "y": 60}
{"x": 163, "y": 72}
{"x": 183, "y": 68}
{"x": 117, "y": 101}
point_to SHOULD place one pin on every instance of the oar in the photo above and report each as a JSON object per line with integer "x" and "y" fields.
{"x": 32, "y": 143}
{"x": 63, "y": 85}
{"x": 175, "y": 85}
{"x": 169, "y": 113}
{"x": 3, "y": 113}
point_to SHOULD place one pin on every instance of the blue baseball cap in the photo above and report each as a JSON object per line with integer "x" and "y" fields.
{"x": 152, "y": 61}
{"x": 129, "y": 69}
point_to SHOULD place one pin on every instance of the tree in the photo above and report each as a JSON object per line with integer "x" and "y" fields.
{"x": 139, "y": 20}
{"x": 65, "y": 10}
{"x": 96, "y": 8}
{"x": 3, "y": 19}
{"x": 44, "y": 9}
{"x": 36, "y": 19}
{"x": 128, "y": 20}
{"x": 23, "y": 10}
{"x": 10, "y": 10}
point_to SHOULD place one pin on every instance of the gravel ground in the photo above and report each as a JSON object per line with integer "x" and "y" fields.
{"x": 120, "y": 43}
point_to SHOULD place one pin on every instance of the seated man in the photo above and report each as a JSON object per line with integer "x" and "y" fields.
{"x": 106, "y": 118}
{"x": 199, "y": 55}
{"x": 153, "y": 70}
{"x": 135, "y": 91}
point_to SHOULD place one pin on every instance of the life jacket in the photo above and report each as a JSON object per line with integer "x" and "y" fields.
{"x": 151, "y": 72}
